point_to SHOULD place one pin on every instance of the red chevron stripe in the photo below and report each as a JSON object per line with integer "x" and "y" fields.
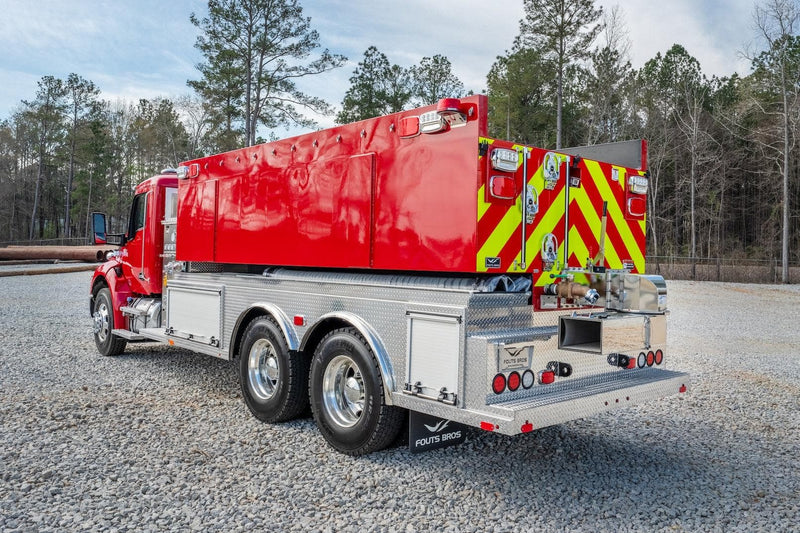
{"x": 619, "y": 196}
{"x": 590, "y": 240}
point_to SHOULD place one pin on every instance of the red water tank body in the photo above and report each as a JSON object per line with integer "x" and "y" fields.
{"x": 414, "y": 191}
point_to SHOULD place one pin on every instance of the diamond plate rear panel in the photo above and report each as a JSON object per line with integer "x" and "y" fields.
{"x": 443, "y": 342}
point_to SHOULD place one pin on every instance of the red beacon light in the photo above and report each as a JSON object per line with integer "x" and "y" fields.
{"x": 453, "y": 111}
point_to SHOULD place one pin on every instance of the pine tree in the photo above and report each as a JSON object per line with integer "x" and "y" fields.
{"x": 255, "y": 51}
{"x": 565, "y": 31}
{"x": 433, "y": 80}
{"x": 376, "y": 88}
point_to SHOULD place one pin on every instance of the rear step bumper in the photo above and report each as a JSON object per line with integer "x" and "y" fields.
{"x": 582, "y": 399}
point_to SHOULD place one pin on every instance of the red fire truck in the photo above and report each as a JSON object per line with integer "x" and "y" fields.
{"x": 406, "y": 264}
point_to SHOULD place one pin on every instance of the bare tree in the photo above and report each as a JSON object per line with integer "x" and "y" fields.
{"x": 777, "y": 22}
{"x": 80, "y": 94}
{"x": 45, "y": 112}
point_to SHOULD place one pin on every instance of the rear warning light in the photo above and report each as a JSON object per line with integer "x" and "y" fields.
{"x": 505, "y": 160}
{"x": 527, "y": 427}
{"x": 659, "y": 357}
{"x": 431, "y": 122}
{"x": 499, "y": 383}
{"x": 513, "y": 381}
{"x": 527, "y": 379}
{"x": 682, "y": 389}
{"x": 650, "y": 358}
{"x": 546, "y": 377}
{"x": 637, "y": 184}
{"x": 503, "y": 187}
{"x": 637, "y": 206}
{"x": 488, "y": 426}
{"x": 409, "y": 127}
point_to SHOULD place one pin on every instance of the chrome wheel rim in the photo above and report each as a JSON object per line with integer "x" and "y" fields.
{"x": 263, "y": 369}
{"x": 101, "y": 326}
{"x": 343, "y": 393}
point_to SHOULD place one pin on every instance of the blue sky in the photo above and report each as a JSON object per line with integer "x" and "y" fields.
{"x": 145, "y": 48}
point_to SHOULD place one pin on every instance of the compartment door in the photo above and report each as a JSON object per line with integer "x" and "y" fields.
{"x": 434, "y": 349}
{"x": 507, "y": 204}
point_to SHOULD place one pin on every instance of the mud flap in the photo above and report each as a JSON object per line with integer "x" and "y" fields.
{"x": 426, "y": 432}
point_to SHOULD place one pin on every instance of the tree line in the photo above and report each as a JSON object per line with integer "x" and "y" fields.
{"x": 722, "y": 160}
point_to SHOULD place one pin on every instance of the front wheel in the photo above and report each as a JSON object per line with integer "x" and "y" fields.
{"x": 103, "y": 325}
{"x": 347, "y": 396}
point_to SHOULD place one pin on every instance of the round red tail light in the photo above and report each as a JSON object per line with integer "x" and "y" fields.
{"x": 499, "y": 383}
{"x": 513, "y": 381}
{"x": 659, "y": 357}
{"x": 650, "y": 358}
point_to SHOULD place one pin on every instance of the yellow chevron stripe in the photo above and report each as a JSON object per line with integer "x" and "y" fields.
{"x": 505, "y": 229}
{"x": 616, "y": 215}
{"x": 542, "y": 226}
{"x": 483, "y": 205}
{"x": 500, "y": 235}
{"x": 576, "y": 244}
{"x": 595, "y": 222}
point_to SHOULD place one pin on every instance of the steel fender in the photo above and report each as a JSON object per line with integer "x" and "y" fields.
{"x": 281, "y": 319}
{"x": 372, "y": 338}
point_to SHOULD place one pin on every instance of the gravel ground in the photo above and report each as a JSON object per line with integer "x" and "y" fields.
{"x": 159, "y": 439}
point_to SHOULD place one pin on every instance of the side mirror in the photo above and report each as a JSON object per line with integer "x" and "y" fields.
{"x": 100, "y": 234}
{"x": 99, "y": 228}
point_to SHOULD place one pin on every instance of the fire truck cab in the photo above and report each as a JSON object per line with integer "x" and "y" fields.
{"x": 406, "y": 264}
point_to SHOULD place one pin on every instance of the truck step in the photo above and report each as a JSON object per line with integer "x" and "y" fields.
{"x": 626, "y": 387}
{"x": 132, "y": 311}
{"x": 516, "y": 335}
{"x": 128, "y": 335}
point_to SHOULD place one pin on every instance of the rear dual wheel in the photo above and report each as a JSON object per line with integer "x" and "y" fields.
{"x": 346, "y": 390}
{"x": 272, "y": 379}
{"x": 348, "y": 398}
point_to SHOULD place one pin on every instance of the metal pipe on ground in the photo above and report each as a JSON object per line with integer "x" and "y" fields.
{"x": 80, "y": 253}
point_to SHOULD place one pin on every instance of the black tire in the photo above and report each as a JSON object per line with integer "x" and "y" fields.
{"x": 347, "y": 396}
{"x": 103, "y": 323}
{"x": 273, "y": 381}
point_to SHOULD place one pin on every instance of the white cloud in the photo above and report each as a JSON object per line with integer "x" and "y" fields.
{"x": 144, "y": 48}
{"x": 713, "y": 31}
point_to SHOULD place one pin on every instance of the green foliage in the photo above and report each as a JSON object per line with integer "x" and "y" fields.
{"x": 434, "y": 80}
{"x": 255, "y": 51}
{"x": 563, "y": 33}
{"x": 521, "y": 92}
{"x": 376, "y": 88}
